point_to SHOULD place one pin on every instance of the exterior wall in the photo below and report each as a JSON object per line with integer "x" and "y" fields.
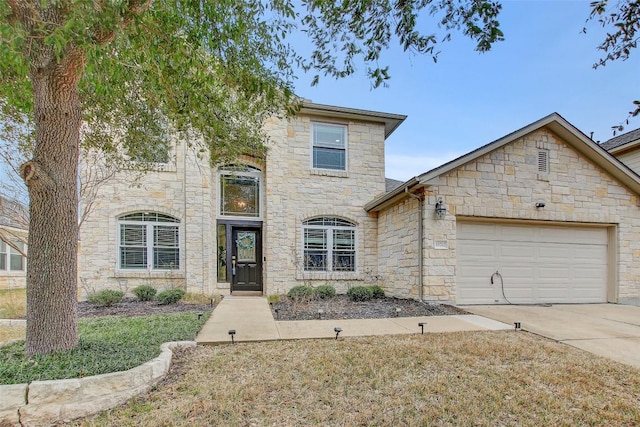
{"x": 292, "y": 192}
{"x": 505, "y": 184}
{"x": 631, "y": 159}
{"x": 156, "y": 191}
{"x": 295, "y": 193}
{"x": 399, "y": 249}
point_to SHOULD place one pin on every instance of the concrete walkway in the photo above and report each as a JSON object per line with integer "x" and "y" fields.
{"x": 251, "y": 319}
{"x": 608, "y": 330}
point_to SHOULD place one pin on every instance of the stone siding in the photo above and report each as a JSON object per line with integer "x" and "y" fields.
{"x": 399, "y": 249}
{"x": 296, "y": 192}
{"x": 506, "y": 184}
{"x": 291, "y": 191}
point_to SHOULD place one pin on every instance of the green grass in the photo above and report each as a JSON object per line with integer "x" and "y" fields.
{"x": 107, "y": 344}
{"x": 13, "y": 303}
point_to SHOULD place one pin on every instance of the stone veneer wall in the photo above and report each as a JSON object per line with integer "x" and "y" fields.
{"x": 180, "y": 189}
{"x": 295, "y": 192}
{"x": 399, "y": 249}
{"x": 292, "y": 193}
{"x": 505, "y": 184}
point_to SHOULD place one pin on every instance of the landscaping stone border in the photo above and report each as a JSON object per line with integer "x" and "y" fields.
{"x": 44, "y": 403}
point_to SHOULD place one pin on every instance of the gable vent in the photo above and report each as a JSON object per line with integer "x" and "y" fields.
{"x": 543, "y": 161}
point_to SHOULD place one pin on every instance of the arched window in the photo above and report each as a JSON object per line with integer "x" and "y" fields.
{"x": 329, "y": 244}
{"x": 149, "y": 241}
{"x": 239, "y": 191}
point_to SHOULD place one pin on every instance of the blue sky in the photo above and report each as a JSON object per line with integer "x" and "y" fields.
{"x": 468, "y": 99}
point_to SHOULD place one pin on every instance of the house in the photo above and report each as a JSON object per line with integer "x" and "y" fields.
{"x": 13, "y": 243}
{"x": 542, "y": 215}
{"x": 626, "y": 148}
{"x": 260, "y": 225}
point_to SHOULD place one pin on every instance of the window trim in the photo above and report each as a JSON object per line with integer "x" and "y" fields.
{"x": 329, "y": 230}
{"x": 253, "y": 172}
{"x": 345, "y": 129}
{"x": 150, "y": 244}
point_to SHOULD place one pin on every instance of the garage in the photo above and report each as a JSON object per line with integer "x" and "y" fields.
{"x": 530, "y": 263}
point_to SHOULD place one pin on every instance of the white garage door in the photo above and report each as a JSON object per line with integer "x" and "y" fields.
{"x": 538, "y": 264}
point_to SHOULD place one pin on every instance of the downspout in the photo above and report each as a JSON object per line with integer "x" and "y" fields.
{"x": 420, "y": 242}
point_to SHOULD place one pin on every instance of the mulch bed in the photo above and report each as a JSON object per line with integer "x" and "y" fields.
{"x": 133, "y": 307}
{"x": 338, "y": 307}
{"x": 341, "y": 307}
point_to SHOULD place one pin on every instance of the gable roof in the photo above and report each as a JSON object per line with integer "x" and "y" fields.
{"x": 622, "y": 142}
{"x": 391, "y": 121}
{"x": 555, "y": 123}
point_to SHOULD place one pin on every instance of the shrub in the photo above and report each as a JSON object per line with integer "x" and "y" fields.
{"x": 360, "y": 293}
{"x": 170, "y": 296}
{"x": 324, "y": 292}
{"x": 273, "y": 298}
{"x": 301, "y": 293}
{"x": 106, "y": 298}
{"x": 145, "y": 292}
{"x": 378, "y": 292}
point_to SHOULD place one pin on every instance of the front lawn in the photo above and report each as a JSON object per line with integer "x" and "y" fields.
{"x": 107, "y": 344}
{"x": 13, "y": 303}
{"x": 456, "y": 379}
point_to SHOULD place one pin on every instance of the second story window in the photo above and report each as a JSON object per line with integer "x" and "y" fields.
{"x": 329, "y": 147}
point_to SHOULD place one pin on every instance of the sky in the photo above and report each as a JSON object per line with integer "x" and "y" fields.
{"x": 468, "y": 99}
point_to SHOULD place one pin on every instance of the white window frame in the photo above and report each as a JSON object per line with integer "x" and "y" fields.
{"x": 329, "y": 233}
{"x": 150, "y": 246}
{"x": 252, "y": 172}
{"x": 345, "y": 130}
{"x": 7, "y": 252}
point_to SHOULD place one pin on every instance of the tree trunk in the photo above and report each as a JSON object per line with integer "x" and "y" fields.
{"x": 52, "y": 179}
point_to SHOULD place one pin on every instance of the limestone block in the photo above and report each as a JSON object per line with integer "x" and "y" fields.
{"x": 13, "y": 398}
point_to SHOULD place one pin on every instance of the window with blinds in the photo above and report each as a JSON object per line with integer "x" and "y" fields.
{"x": 329, "y": 244}
{"x": 149, "y": 241}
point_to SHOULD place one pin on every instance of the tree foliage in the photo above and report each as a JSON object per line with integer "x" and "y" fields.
{"x": 129, "y": 73}
{"x": 621, "y": 19}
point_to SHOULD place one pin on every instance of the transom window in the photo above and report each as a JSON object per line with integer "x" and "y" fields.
{"x": 240, "y": 191}
{"x": 10, "y": 258}
{"x": 149, "y": 241}
{"x": 329, "y": 244}
{"x": 329, "y": 146}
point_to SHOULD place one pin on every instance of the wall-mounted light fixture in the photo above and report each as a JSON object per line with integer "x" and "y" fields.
{"x": 441, "y": 209}
{"x": 540, "y": 205}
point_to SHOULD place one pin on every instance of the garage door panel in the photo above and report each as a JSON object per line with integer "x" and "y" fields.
{"x": 477, "y": 250}
{"x": 590, "y": 253}
{"x": 515, "y": 251}
{"x": 539, "y": 264}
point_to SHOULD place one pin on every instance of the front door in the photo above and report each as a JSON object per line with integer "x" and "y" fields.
{"x": 246, "y": 259}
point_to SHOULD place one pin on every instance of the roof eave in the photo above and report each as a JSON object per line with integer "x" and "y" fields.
{"x": 393, "y": 197}
{"x": 391, "y": 121}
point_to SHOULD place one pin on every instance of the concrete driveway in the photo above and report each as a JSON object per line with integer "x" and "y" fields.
{"x": 608, "y": 330}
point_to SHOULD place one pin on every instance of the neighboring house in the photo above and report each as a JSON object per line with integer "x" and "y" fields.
{"x": 13, "y": 243}
{"x": 626, "y": 148}
{"x": 542, "y": 215}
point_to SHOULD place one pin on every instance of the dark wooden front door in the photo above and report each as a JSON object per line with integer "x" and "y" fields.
{"x": 246, "y": 259}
